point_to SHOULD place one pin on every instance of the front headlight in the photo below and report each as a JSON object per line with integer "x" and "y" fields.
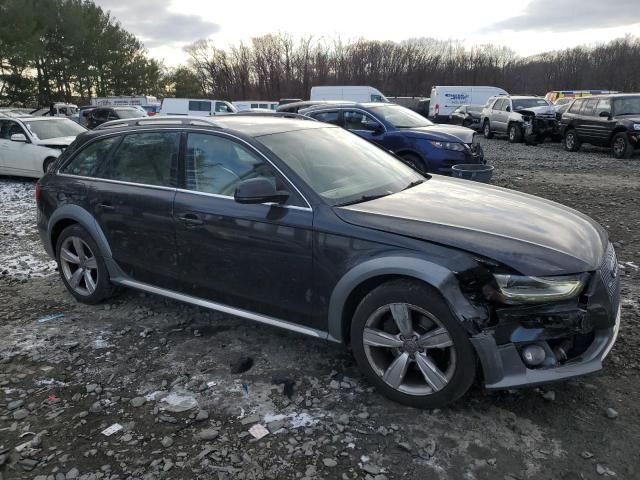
{"x": 458, "y": 147}
{"x": 636, "y": 126}
{"x": 522, "y": 289}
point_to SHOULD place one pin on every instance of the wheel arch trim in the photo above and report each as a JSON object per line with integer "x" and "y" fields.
{"x": 437, "y": 276}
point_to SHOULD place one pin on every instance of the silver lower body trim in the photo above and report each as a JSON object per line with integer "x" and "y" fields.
{"x": 614, "y": 336}
{"x": 312, "y": 332}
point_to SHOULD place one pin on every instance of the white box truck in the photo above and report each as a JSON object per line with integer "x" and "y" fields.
{"x": 124, "y": 100}
{"x": 198, "y": 107}
{"x": 446, "y": 98}
{"x": 347, "y": 93}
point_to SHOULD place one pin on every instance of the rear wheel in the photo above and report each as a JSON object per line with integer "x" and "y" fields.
{"x": 486, "y": 130}
{"x": 409, "y": 345}
{"x": 81, "y": 266}
{"x": 515, "y": 133}
{"x": 414, "y": 162}
{"x": 571, "y": 141}
{"x": 621, "y": 146}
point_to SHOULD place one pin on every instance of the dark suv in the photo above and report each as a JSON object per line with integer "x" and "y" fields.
{"x": 420, "y": 143}
{"x": 305, "y": 226}
{"x": 603, "y": 120}
{"x": 100, "y": 115}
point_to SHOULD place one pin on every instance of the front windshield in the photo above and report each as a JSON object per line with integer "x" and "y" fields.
{"x": 54, "y": 128}
{"x": 340, "y": 166}
{"x": 128, "y": 112}
{"x": 522, "y": 103}
{"x": 626, "y": 106}
{"x": 401, "y": 117}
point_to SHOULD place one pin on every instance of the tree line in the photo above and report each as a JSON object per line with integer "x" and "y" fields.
{"x": 71, "y": 50}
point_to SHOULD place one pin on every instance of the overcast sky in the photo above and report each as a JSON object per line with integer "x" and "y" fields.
{"x": 526, "y": 26}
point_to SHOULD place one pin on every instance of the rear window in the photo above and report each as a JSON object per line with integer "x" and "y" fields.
{"x": 199, "y": 106}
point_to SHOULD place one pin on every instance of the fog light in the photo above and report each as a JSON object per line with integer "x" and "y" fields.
{"x": 533, "y": 355}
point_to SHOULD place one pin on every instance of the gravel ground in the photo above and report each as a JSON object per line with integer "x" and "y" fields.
{"x": 184, "y": 385}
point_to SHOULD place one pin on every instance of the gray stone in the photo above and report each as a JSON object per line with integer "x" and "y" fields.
{"x": 96, "y": 407}
{"x": 20, "y": 414}
{"x": 250, "y": 419}
{"x": 276, "y": 425}
{"x": 343, "y": 419}
{"x": 167, "y": 442}
{"x": 550, "y": 395}
{"x": 202, "y": 415}
{"x": 329, "y": 462}
{"x": 372, "y": 469}
{"x": 72, "y": 474}
{"x": 138, "y": 401}
{"x": 207, "y": 434}
{"x": 611, "y": 413}
{"x": 15, "y": 404}
{"x": 91, "y": 387}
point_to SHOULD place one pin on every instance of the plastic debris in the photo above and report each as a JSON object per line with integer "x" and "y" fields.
{"x": 245, "y": 390}
{"x": 116, "y": 427}
{"x": 48, "y": 318}
{"x": 179, "y": 402}
{"x": 258, "y": 431}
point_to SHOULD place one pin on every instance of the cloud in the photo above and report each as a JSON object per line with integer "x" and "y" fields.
{"x": 155, "y": 24}
{"x": 572, "y": 15}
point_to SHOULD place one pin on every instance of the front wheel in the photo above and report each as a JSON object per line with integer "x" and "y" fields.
{"x": 621, "y": 146}
{"x": 515, "y": 133}
{"x": 409, "y": 345}
{"x": 486, "y": 130}
{"x": 414, "y": 162}
{"x": 81, "y": 266}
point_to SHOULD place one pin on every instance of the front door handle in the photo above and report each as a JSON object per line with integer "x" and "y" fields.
{"x": 191, "y": 219}
{"x": 106, "y": 206}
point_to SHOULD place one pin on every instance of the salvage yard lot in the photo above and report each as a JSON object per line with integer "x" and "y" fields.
{"x": 69, "y": 378}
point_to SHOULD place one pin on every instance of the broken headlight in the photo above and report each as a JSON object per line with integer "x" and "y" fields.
{"x": 516, "y": 289}
{"x": 458, "y": 147}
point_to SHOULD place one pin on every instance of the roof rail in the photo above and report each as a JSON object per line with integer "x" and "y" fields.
{"x": 160, "y": 120}
{"x": 275, "y": 114}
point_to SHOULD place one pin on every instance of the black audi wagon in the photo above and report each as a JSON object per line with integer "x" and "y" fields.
{"x": 434, "y": 282}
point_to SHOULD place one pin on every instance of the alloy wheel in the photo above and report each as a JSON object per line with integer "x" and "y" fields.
{"x": 79, "y": 265}
{"x": 569, "y": 140}
{"x": 619, "y": 146}
{"x": 409, "y": 348}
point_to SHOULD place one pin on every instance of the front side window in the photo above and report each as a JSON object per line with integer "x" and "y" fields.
{"x": 604, "y": 105}
{"x": 223, "y": 107}
{"x": 8, "y": 128}
{"x": 89, "y": 160}
{"x": 589, "y": 107}
{"x": 506, "y": 105}
{"x": 576, "y": 106}
{"x": 145, "y": 158}
{"x": 216, "y": 165}
{"x": 356, "y": 120}
{"x": 328, "y": 117}
{"x": 339, "y": 166}
{"x": 498, "y": 104}
{"x": 199, "y": 106}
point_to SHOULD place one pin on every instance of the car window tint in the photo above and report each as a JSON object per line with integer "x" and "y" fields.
{"x": 498, "y": 105}
{"x": 8, "y": 128}
{"x": 355, "y": 120}
{"x": 589, "y": 107}
{"x": 328, "y": 117}
{"x": 87, "y": 162}
{"x": 604, "y": 105}
{"x": 504, "y": 105}
{"x": 145, "y": 158}
{"x": 576, "y": 106}
{"x": 199, "y": 106}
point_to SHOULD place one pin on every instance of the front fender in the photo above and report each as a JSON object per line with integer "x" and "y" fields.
{"x": 439, "y": 277}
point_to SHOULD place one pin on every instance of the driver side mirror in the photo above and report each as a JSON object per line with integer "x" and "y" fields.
{"x": 605, "y": 113}
{"x": 508, "y": 108}
{"x": 259, "y": 190}
{"x": 374, "y": 127}
{"x": 18, "y": 137}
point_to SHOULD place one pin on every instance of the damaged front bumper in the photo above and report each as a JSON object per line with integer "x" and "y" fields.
{"x": 574, "y": 336}
{"x": 535, "y": 127}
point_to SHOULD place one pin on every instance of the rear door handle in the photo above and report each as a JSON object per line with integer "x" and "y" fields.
{"x": 191, "y": 219}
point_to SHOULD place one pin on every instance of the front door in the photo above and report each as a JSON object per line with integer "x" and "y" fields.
{"x": 367, "y": 127}
{"x": 133, "y": 205}
{"x": 255, "y": 257}
{"x": 17, "y": 158}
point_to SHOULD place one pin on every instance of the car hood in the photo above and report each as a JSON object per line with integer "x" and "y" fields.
{"x": 542, "y": 110}
{"x": 629, "y": 118}
{"x": 529, "y": 234}
{"x": 442, "y": 132}
{"x": 57, "y": 141}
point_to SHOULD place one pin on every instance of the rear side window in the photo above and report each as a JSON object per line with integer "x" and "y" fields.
{"x": 146, "y": 158}
{"x": 589, "y": 107}
{"x": 87, "y": 162}
{"x": 328, "y": 117}
{"x": 199, "y": 106}
{"x": 576, "y": 106}
{"x": 604, "y": 105}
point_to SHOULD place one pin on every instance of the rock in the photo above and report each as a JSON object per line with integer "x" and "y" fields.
{"x": 372, "y": 469}
{"x": 611, "y": 413}
{"x": 343, "y": 419}
{"x": 202, "y": 415}
{"x": 207, "y": 434}
{"x": 91, "y": 387}
{"x": 276, "y": 425}
{"x": 20, "y": 414}
{"x": 329, "y": 462}
{"x": 96, "y": 407}
{"x": 137, "y": 401}
{"x": 72, "y": 474}
{"x": 167, "y": 442}
{"x": 334, "y": 385}
{"x": 179, "y": 401}
{"x": 405, "y": 446}
{"x": 15, "y": 404}
{"x": 587, "y": 455}
{"x": 250, "y": 419}
{"x": 550, "y": 395}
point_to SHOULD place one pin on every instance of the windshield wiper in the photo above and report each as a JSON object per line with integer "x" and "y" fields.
{"x": 363, "y": 198}
{"x": 413, "y": 184}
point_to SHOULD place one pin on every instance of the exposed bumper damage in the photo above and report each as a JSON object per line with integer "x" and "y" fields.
{"x": 538, "y": 125}
{"x": 566, "y": 340}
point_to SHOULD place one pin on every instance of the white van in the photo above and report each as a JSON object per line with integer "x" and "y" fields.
{"x": 198, "y": 107}
{"x": 445, "y": 99}
{"x": 251, "y": 104}
{"x": 348, "y": 93}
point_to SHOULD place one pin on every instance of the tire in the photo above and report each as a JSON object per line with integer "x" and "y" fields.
{"x": 620, "y": 146}
{"x": 571, "y": 141}
{"x": 486, "y": 130}
{"x": 515, "y": 133}
{"x": 414, "y": 162}
{"x": 47, "y": 163}
{"x": 93, "y": 282}
{"x": 450, "y": 366}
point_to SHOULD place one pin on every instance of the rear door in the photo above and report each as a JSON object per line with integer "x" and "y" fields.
{"x": 133, "y": 204}
{"x": 587, "y": 127}
{"x": 256, "y": 257}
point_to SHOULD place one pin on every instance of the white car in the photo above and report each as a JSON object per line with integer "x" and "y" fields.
{"x": 28, "y": 145}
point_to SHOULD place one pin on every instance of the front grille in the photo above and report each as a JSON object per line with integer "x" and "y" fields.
{"x": 609, "y": 274}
